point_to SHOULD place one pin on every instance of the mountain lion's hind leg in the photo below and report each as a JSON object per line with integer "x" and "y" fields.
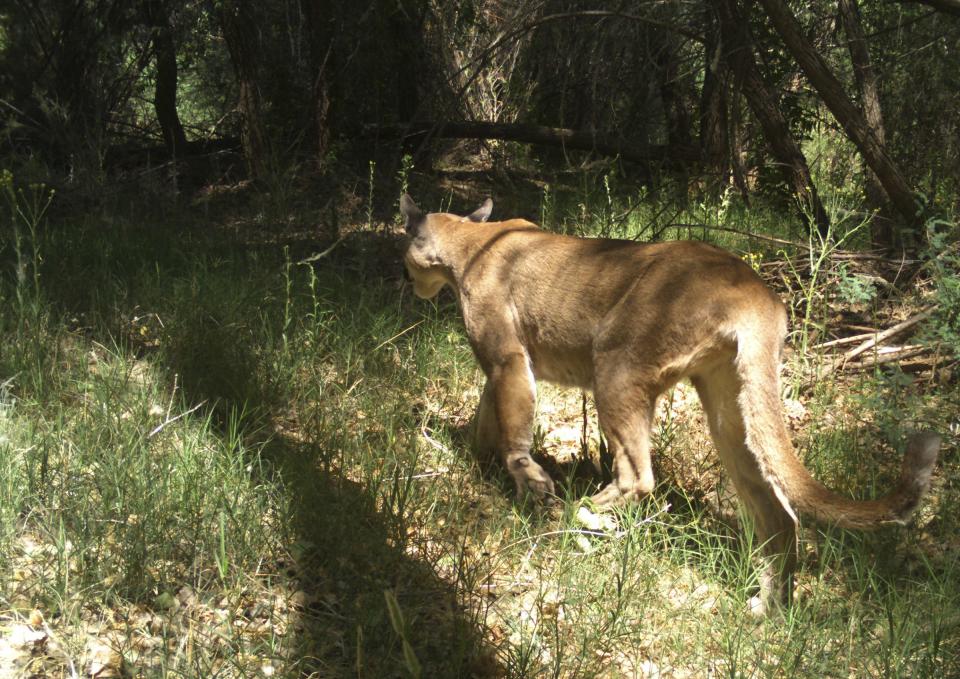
{"x": 512, "y": 391}
{"x": 626, "y": 417}
{"x": 774, "y": 523}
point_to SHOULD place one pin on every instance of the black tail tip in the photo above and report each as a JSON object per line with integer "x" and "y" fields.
{"x": 920, "y": 459}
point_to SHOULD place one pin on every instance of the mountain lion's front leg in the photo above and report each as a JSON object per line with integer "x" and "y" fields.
{"x": 625, "y": 408}
{"x": 506, "y": 413}
{"x": 486, "y": 430}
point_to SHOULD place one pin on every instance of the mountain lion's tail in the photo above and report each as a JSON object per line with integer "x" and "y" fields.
{"x": 769, "y": 440}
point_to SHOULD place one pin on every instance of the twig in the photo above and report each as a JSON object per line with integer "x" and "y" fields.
{"x": 399, "y": 334}
{"x": 433, "y": 442}
{"x": 156, "y": 430}
{"x": 321, "y": 255}
{"x": 892, "y": 355}
{"x": 845, "y": 340}
{"x": 872, "y": 257}
{"x": 430, "y": 475}
{"x": 885, "y": 351}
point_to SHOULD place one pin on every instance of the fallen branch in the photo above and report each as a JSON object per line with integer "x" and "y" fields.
{"x": 872, "y": 257}
{"x": 727, "y": 229}
{"x": 873, "y": 340}
{"x": 877, "y": 339}
{"x": 845, "y": 340}
{"x": 888, "y": 355}
{"x": 835, "y": 254}
{"x": 869, "y": 330}
{"x": 604, "y": 144}
{"x": 888, "y": 333}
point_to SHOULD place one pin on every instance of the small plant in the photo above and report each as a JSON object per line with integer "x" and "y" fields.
{"x": 279, "y": 184}
{"x": 222, "y": 556}
{"x": 818, "y": 250}
{"x": 546, "y": 208}
{"x": 371, "y": 177}
{"x": 855, "y": 288}
{"x": 754, "y": 259}
{"x": 403, "y": 178}
{"x": 287, "y": 298}
{"x": 31, "y": 350}
{"x": 607, "y": 213}
{"x": 27, "y": 212}
{"x": 410, "y": 662}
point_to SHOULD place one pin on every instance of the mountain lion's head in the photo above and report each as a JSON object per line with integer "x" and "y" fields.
{"x": 425, "y": 258}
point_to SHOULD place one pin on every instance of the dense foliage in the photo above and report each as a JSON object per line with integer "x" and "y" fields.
{"x": 784, "y": 101}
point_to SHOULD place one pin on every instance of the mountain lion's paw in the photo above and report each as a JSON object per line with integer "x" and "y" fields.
{"x": 531, "y": 478}
{"x": 609, "y": 496}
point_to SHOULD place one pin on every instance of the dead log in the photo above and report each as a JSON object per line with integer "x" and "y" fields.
{"x": 671, "y": 155}
{"x": 946, "y": 6}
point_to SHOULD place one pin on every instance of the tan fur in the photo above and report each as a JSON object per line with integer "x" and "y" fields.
{"x": 628, "y": 321}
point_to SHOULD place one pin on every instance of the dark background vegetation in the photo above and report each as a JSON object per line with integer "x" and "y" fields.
{"x": 691, "y": 95}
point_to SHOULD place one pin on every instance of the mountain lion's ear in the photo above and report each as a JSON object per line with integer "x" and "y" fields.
{"x": 482, "y": 213}
{"x": 411, "y": 213}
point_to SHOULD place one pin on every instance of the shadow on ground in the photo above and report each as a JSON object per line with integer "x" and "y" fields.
{"x": 345, "y": 552}
{"x": 347, "y": 555}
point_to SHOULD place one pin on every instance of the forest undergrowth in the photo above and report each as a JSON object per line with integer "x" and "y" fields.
{"x": 227, "y": 450}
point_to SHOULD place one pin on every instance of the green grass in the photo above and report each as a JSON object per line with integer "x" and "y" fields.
{"x": 222, "y": 463}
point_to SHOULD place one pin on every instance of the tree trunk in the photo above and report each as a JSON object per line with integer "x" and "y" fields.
{"x": 738, "y": 50}
{"x": 321, "y": 110}
{"x": 866, "y": 79}
{"x": 322, "y": 55}
{"x": 240, "y": 34}
{"x": 676, "y": 156}
{"x": 713, "y": 107}
{"x": 73, "y": 59}
{"x": 851, "y": 120}
{"x": 677, "y": 117}
{"x": 737, "y": 143}
{"x": 165, "y": 92}
{"x": 411, "y": 67}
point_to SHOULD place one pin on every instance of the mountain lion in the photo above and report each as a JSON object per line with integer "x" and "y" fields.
{"x": 628, "y": 320}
